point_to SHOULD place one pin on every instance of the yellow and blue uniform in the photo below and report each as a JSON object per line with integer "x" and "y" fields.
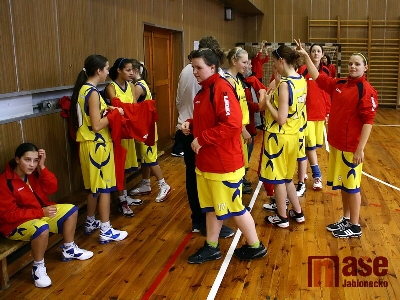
{"x": 241, "y": 94}
{"x": 148, "y": 154}
{"x": 96, "y": 152}
{"x": 126, "y": 96}
{"x": 281, "y": 142}
{"x": 303, "y": 132}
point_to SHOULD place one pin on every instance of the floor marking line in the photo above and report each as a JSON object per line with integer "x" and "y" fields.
{"x": 228, "y": 257}
{"x": 166, "y": 268}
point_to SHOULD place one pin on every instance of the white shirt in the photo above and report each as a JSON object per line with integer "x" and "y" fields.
{"x": 188, "y": 87}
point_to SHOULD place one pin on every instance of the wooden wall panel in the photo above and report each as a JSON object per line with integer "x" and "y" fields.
{"x": 10, "y": 139}
{"x": 75, "y": 44}
{"x": 49, "y": 132}
{"x": 103, "y": 27}
{"x": 300, "y": 9}
{"x": 174, "y": 14}
{"x": 36, "y": 43}
{"x": 8, "y": 78}
{"x": 129, "y": 38}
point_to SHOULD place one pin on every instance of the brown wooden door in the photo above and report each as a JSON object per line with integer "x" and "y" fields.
{"x": 158, "y": 60}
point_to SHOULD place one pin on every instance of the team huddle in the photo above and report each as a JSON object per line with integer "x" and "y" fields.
{"x": 219, "y": 111}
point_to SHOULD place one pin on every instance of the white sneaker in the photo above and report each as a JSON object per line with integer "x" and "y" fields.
{"x": 111, "y": 235}
{"x": 40, "y": 277}
{"x": 132, "y": 201}
{"x": 164, "y": 190}
{"x": 301, "y": 189}
{"x": 317, "y": 186}
{"x": 143, "y": 189}
{"x": 75, "y": 252}
{"x": 124, "y": 209}
{"x": 90, "y": 227}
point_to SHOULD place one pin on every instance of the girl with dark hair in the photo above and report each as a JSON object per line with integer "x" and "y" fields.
{"x": 327, "y": 62}
{"x": 216, "y": 127}
{"x": 95, "y": 146}
{"x": 121, "y": 74}
{"x": 353, "y": 109}
{"x": 148, "y": 154}
{"x": 27, "y": 214}
{"x": 281, "y": 137}
{"x": 318, "y": 104}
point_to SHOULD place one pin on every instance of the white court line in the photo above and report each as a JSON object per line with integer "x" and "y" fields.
{"x": 382, "y": 125}
{"x": 228, "y": 257}
{"x": 366, "y": 174}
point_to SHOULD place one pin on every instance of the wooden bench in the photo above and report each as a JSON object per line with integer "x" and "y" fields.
{"x": 15, "y": 255}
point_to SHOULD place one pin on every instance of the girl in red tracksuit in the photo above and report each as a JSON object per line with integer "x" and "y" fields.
{"x": 318, "y": 103}
{"x": 354, "y": 105}
{"x": 216, "y": 127}
{"x": 27, "y": 214}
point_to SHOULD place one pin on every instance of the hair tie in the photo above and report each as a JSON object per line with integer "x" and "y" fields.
{"x": 362, "y": 55}
{"x": 276, "y": 51}
{"x": 122, "y": 59}
{"x": 83, "y": 69}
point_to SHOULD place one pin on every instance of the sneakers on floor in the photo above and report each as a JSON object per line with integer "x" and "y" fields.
{"x": 40, "y": 277}
{"x": 197, "y": 227}
{"x": 180, "y": 154}
{"x": 349, "y": 232}
{"x": 226, "y": 232}
{"x": 248, "y": 253}
{"x": 143, "y": 189}
{"x": 132, "y": 201}
{"x": 247, "y": 190}
{"x": 277, "y": 220}
{"x": 272, "y": 206}
{"x": 75, "y": 252}
{"x": 301, "y": 189}
{"x": 246, "y": 182}
{"x": 163, "y": 192}
{"x": 91, "y": 226}
{"x": 298, "y": 217}
{"x": 124, "y": 209}
{"x": 342, "y": 224}
{"x": 111, "y": 235}
{"x": 317, "y": 185}
{"x": 205, "y": 253}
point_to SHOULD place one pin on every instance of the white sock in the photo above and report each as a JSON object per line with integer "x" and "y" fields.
{"x": 125, "y": 193}
{"x": 146, "y": 181}
{"x": 35, "y": 263}
{"x": 161, "y": 182}
{"x": 121, "y": 198}
{"x": 90, "y": 219}
{"x": 105, "y": 226}
{"x": 68, "y": 245}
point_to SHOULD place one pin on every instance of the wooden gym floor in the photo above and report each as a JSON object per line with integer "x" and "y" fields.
{"x": 152, "y": 262}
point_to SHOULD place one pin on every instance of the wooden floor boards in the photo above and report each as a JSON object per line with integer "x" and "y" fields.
{"x": 128, "y": 269}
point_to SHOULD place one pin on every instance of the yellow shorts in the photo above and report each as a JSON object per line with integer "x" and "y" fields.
{"x": 147, "y": 154}
{"x": 315, "y": 134}
{"x": 342, "y": 173}
{"x": 98, "y": 169}
{"x": 131, "y": 161}
{"x": 279, "y": 157}
{"x": 221, "y": 193}
{"x": 33, "y": 228}
{"x": 245, "y": 153}
{"x": 301, "y": 154}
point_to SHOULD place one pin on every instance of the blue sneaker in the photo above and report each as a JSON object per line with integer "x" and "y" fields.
{"x": 75, "y": 252}
{"x": 111, "y": 235}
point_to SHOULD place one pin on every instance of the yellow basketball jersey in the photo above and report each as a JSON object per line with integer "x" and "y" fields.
{"x": 297, "y": 96}
{"x": 242, "y": 98}
{"x": 85, "y": 132}
{"x": 126, "y": 95}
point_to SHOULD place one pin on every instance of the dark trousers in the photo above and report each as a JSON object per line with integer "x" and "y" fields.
{"x": 177, "y": 147}
{"x": 198, "y": 217}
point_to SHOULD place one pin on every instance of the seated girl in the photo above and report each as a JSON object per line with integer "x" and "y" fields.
{"x": 27, "y": 214}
